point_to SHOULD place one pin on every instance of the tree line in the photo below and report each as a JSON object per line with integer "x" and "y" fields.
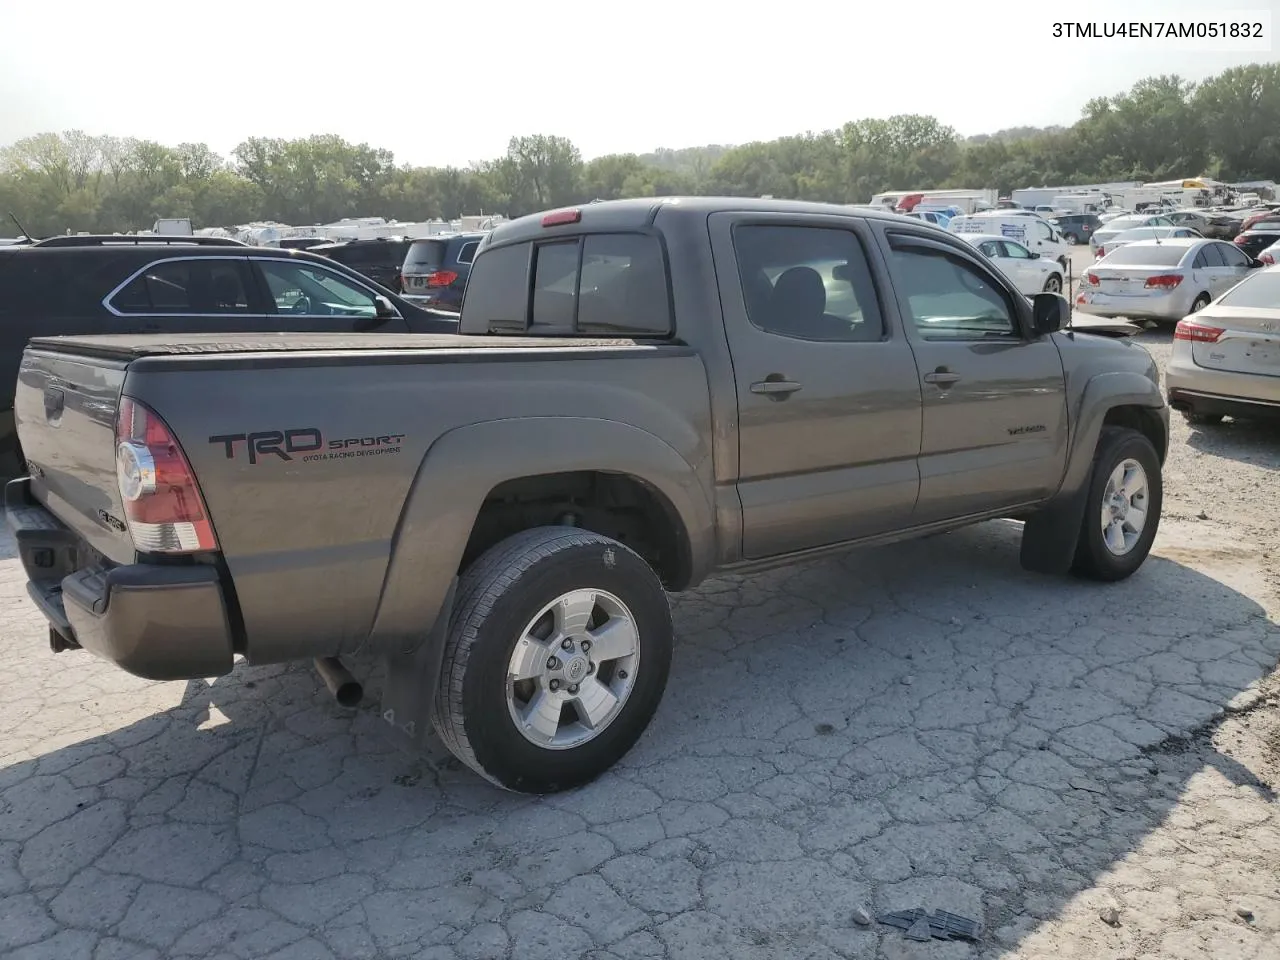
{"x": 1227, "y": 127}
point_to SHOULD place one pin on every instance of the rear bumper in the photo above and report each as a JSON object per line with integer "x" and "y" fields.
{"x": 155, "y": 621}
{"x": 1195, "y": 401}
{"x": 1169, "y": 306}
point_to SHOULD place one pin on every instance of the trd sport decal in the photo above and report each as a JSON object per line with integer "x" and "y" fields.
{"x": 304, "y": 443}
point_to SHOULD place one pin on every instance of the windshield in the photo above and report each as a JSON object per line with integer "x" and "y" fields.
{"x": 1145, "y": 254}
{"x": 425, "y": 255}
{"x": 1260, "y": 291}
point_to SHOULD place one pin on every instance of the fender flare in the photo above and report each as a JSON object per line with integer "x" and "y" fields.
{"x": 463, "y": 465}
{"x": 1049, "y": 536}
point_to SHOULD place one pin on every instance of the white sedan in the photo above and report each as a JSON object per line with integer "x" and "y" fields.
{"x": 1226, "y": 357}
{"x": 1030, "y": 273}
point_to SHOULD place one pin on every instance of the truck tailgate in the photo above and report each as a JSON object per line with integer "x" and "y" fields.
{"x": 64, "y": 411}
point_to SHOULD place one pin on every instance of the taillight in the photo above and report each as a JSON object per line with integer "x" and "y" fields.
{"x": 441, "y": 278}
{"x": 1092, "y": 278}
{"x": 1164, "y": 281}
{"x": 1196, "y": 332}
{"x": 162, "y": 503}
{"x": 1102, "y": 252}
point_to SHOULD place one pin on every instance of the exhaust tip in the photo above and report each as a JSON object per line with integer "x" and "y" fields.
{"x": 345, "y": 688}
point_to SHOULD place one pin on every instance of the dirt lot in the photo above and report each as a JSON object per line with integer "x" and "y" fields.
{"x": 924, "y": 725}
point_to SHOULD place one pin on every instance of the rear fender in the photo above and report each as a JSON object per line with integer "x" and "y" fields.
{"x": 1049, "y": 536}
{"x": 463, "y": 465}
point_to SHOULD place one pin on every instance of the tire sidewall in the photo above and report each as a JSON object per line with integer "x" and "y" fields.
{"x": 1126, "y": 445}
{"x": 1203, "y": 300}
{"x": 499, "y": 747}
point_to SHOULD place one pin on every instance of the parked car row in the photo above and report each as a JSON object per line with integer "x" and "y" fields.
{"x": 429, "y": 271}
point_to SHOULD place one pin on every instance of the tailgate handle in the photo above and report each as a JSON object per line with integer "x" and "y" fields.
{"x": 54, "y": 401}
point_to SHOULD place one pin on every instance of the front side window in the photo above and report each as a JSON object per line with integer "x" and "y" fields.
{"x": 948, "y": 298}
{"x": 1016, "y": 251}
{"x": 1231, "y": 256}
{"x": 808, "y": 283}
{"x": 307, "y": 289}
{"x": 205, "y": 286}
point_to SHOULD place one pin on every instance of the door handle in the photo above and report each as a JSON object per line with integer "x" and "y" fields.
{"x": 775, "y": 389}
{"x": 942, "y": 378}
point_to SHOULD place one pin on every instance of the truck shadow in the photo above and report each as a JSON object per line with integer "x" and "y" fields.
{"x": 919, "y": 725}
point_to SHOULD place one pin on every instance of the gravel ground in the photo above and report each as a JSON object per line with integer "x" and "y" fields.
{"x": 1088, "y": 770}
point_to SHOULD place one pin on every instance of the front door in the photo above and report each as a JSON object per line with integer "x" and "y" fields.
{"x": 828, "y": 397}
{"x": 995, "y": 425}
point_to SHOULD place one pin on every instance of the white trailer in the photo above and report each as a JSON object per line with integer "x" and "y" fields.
{"x": 970, "y": 201}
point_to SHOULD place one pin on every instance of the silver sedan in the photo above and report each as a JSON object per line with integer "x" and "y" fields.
{"x": 1163, "y": 280}
{"x": 1226, "y": 358}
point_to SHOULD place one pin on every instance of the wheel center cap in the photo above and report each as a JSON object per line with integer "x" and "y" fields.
{"x": 576, "y": 669}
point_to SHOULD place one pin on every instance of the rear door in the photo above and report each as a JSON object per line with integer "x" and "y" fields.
{"x": 994, "y": 402}
{"x": 302, "y": 295}
{"x": 828, "y": 398}
{"x": 188, "y": 295}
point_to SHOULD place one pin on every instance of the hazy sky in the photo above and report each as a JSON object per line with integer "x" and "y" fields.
{"x": 449, "y": 84}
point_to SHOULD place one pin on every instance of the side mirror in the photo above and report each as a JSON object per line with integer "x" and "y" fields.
{"x": 383, "y": 309}
{"x": 1034, "y": 255}
{"x": 1255, "y": 262}
{"x": 1050, "y": 313}
{"x": 841, "y": 272}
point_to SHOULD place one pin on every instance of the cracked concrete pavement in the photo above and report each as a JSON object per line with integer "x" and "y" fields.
{"x": 923, "y": 725}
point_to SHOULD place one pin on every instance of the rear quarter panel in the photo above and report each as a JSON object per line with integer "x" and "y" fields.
{"x": 308, "y": 540}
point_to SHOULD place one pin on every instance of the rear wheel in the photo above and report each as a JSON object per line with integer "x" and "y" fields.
{"x": 1053, "y": 284}
{"x": 1199, "y": 303}
{"x": 1122, "y": 512}
{"x": 1071, "y": 238}
{"x": 557, "y": 657}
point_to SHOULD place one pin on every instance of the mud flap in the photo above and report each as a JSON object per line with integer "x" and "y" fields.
{"x": 1049, "y": 537}
{"x": 411, "y": 679}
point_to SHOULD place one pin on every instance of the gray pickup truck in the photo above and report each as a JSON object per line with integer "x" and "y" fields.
{"x": 641, "y": 394}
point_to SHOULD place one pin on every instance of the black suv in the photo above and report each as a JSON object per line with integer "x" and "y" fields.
{"x": 1076, "y": 228}
{"x": 121, "y": 284}
{"x": 378, "y": 259}
{"x": 435, "y": 270}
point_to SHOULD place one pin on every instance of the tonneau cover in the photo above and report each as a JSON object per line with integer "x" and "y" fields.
{"x": 125, "y": 346}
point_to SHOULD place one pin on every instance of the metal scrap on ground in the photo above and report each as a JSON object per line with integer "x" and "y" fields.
{"x": 941, "y": 925}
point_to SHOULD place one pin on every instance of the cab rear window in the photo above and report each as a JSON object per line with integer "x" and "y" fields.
{"x": 612, "y": 284}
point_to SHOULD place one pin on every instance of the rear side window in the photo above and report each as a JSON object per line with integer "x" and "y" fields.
{"x": 204, "y": 286}
{"x": 468, "y": 251}
{"x": 596, "y": 285}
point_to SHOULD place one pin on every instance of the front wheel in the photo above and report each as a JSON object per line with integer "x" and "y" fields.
{"x": 1053, "y": 284}
{"x": 1071, "y": 238}
{"x": 556, "y": 659}
{"x": 1122, "y": 512}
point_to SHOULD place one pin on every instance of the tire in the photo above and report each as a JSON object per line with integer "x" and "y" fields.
{"x": 1199, "y": 303}
{"x": 1094, "y": 559}
{"x": 1071, "y": 238}
{"x": 1053, "y": 284}
{"x": 1201, "y": 419}
{"x": 499, "y": 600}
